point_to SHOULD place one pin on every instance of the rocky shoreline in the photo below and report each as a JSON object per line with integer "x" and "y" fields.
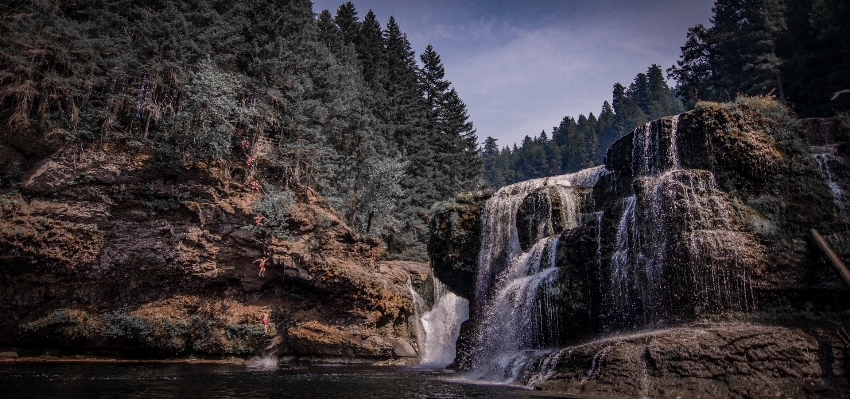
{"x": 703, "y": 360}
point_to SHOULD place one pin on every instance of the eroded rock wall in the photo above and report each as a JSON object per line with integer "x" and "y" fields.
{"x": 455, "y": 241}
{"x": 102, "y": 252}
{"x": 709, "y": 212}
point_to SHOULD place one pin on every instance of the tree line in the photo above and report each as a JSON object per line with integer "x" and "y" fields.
{"x": 580, "y": 143}
{"x": 288, "y": 100}
{"x": 797, "y": 51}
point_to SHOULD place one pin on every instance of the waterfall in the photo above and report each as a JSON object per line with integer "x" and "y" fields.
{"x": 499, "y": 235}
{"x": 620, "y": 260}
{"x": 438, "y": 328}
{"x": 653, "y": 151}
{"x": 512, "y": 321}
{"x": 826, "y": 155}
{"x": 513, "y": 291}
{"x": 670, "y": 251}
{"x": 684, "y": 249}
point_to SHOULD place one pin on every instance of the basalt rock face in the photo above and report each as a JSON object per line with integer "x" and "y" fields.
{"x": 456, "y": 240}
{"x": 542, "y": 213}
{"x": 710, "y": 360}
{"x": 702, "y": 216}
{"x": 708, "y": 212}
{"x": 102, "y": 252}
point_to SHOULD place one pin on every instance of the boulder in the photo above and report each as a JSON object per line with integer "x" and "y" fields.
{"x": 402, "y": 348}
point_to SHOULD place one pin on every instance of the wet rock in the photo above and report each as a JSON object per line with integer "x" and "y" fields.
{"x": 544, "y": 212}
{"x": 455, "y": 241}
{"x": 402, "y": 348}
{"x": 728, "y": 360}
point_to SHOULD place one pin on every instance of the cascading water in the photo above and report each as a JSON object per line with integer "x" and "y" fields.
{"x": 439, "y": 327}
{"x": 674, "y": 250}
{"x": 683, "y": 249}
{"x": 827, "y": 158}
{"x": 620, "y": 261}
{"x": 513, "y": 287}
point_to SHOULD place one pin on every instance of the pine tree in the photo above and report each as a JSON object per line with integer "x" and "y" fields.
{"x": 661, "y": 103}
{"x": 736, "y": 55}
{"x": 329, "y": 32}
{"x": 431, "y": 78}
{"x": 370, "y": 48}
{"x": 493, "y": 172}
{"x": 466, "y": 166}
{"x": 639, "y": 92}
{"x": 346, "y": 20}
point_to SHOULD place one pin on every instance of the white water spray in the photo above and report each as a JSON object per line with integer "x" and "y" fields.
{"x": 439, "y": 327}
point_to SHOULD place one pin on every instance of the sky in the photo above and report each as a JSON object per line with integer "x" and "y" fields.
{"x": 522, "y": 66}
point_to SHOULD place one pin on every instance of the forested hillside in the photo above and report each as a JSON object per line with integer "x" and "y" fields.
{"x": 287, "y": 100}
{"x": 576, "y": 144}
{"x": 797, "y": 51}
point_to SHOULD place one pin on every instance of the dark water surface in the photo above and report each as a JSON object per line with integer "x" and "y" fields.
{"x": 103, "y": 380}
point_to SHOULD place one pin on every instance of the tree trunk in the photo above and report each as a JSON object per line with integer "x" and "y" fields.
{"x": 369, "y": 221}
{"x": 832, "y": 257}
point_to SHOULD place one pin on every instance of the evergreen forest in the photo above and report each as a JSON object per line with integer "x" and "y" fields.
{"x": 797, "y": 51}
{"x": 290, "y": 101}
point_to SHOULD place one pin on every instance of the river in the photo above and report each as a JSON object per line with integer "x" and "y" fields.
{"x": 129, "y": 380}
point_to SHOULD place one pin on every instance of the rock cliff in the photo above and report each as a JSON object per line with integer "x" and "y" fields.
{"x": 103, "y": 251}
{"x": 694, "y": 219}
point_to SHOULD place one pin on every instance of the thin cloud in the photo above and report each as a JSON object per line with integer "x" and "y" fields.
{"x": 521, "y": 66}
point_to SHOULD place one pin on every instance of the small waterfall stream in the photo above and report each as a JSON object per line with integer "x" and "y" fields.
{"x": 439, "y": 326}
{"x": 620, "y": 260}
{"x": 827, "y": 158}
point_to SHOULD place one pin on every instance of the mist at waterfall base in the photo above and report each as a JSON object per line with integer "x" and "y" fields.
{"x": 104, "y": 380}
{"x": 439, "y": 326}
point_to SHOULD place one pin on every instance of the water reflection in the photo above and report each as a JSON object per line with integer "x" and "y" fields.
{"x": 54, "y": 380}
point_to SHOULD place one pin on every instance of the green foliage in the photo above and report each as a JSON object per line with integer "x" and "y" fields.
{"x": 796, "y": 50}
{"x": 735, "y": 55}
{"x": 243, "y": 338}
{"x": 380, "y": 194}
{"x": 209, "y": 113}
{"x": 274, "y": 206}
{"x": 163, "y": 333}
{"x": 66, "y": 323}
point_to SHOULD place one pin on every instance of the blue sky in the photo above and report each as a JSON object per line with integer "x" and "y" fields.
{"x": 521, "y": 66}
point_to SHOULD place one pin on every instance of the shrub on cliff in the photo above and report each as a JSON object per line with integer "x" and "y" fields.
{"x": 66, "y": 324}
{"x": 162, "y": 333}
{"x": 274, "y": 206}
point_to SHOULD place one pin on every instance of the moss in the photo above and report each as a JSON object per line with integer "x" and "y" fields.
{"x": 164, "y": 333}
{"x": 67, "y": 324}
{"x": 244, "y": 337}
